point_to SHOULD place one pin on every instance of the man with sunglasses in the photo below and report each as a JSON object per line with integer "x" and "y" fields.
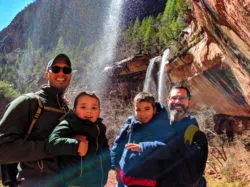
{"x": 58, "y": 72}
{"x": 36, "y": 167}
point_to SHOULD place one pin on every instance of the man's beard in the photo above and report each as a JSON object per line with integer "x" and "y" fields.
{"x": 175, "y": 114}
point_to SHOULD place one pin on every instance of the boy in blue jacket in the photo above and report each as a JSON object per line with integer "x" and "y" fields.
{"x": 139, "y": 133}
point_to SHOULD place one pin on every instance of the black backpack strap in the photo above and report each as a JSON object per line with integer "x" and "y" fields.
{"x": 40, "y": 108}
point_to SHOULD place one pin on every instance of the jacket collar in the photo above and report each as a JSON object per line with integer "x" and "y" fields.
{"x": 73, "y": 116}
{"x": 53, "y": 94}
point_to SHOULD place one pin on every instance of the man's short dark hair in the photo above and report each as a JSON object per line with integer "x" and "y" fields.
{"x": 181, "y": 86}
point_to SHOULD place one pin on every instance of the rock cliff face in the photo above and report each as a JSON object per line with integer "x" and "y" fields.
{"x": 217, "y": 67}
{"x": 227, "y": 25}
{"x": 126, "y": 77}
{"x": 214, "y": 60}
{"x": 44, "y": 22}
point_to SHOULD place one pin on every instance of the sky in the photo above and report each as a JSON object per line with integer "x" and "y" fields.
{"x": 9, "y": 9}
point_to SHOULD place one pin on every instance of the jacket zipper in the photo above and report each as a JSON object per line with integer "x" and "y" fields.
{"x": 98, "y": 129}
{"x": 102, "y": 172}
{"x": 63, "y": 106}
{"x": 81, "y": 168}
{"x": 97, "y": 147}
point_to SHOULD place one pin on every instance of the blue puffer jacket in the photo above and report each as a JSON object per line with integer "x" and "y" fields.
{"x": 158, "y": 133}
{"x": 145, "y": 134}
{"x": 168, "y": 142}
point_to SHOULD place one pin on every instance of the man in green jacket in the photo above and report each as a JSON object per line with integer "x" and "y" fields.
{"x": 35, "y": 166}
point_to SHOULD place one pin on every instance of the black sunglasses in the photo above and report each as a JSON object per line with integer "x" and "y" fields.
{"x": 57, "y": 69}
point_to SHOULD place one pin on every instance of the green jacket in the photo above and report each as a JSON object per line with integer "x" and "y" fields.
{"x": 35, "y": 162}
{"x": 90, "y": 170}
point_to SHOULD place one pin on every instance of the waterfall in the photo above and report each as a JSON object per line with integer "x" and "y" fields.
{"x": 150, "y": 84}
{"x": 106, "y": 51}
{"x": 162, "y": 88}
{"x": 111, "y": 31}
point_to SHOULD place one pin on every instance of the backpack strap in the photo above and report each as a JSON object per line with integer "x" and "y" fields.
{"x": 40, "y": 108}
{"x": 189, "y": 133}
{"x": 36, "y": 116}
{"x": 53, "y": 109}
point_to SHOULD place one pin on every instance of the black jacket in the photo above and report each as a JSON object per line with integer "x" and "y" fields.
{"x": 35, "y": 163}
{"x": 92, "y": 169}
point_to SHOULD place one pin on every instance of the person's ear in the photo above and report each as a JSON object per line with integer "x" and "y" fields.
{"x": 190, "y": 102}
{"x": 168, "y": 100}
{"x": 134, "y": 109}
{"x": 46, "y": 75}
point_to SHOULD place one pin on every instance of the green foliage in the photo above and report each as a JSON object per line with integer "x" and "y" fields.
{"x": 151, "y": 35}
{"x": 7, "y": 90}
{"x": 132, "y": 39}
{"x": 59, "y": 47}
{"x": 147, "y": 33}
{"x": 172, "y": 21}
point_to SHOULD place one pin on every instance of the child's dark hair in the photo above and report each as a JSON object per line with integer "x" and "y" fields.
{"x": 87, "y": 93}
{"x": 144, "y": 97}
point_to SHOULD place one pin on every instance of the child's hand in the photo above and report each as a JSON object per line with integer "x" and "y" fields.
{"x": 133, "y": 147}
{"x": 83, "y": 148}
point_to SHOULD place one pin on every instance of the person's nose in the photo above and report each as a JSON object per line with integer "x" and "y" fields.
{"x": 61, "y": 72}
{"x": 88, "y": 111}
{"x": 177, "y": 100}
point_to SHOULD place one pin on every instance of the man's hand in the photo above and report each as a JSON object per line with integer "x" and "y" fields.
{"x": 83, "y": 148}
{"x": 133, "y": 147}
{"x": 83, "y": 145}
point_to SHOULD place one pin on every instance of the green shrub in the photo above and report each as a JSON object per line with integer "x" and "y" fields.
{"x": 7, "y": 90}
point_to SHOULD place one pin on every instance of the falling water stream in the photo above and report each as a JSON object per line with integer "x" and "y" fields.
{"x": 157, "y": 87}
{"x": 162, "y": 86}
{"x": 106, "y": 52}
{"x": 111, "y": 31}
{"x": 150, "y": 84}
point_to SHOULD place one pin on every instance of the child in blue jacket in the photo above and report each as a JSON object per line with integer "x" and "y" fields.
{"x": 137, "y": 139}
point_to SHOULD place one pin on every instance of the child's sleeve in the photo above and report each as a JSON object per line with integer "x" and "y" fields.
{"x": 118, "y": 146}
{"x": 148, "y": 147}
{"x": 106, "y": 163}
{"x": 61, "y": 142}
